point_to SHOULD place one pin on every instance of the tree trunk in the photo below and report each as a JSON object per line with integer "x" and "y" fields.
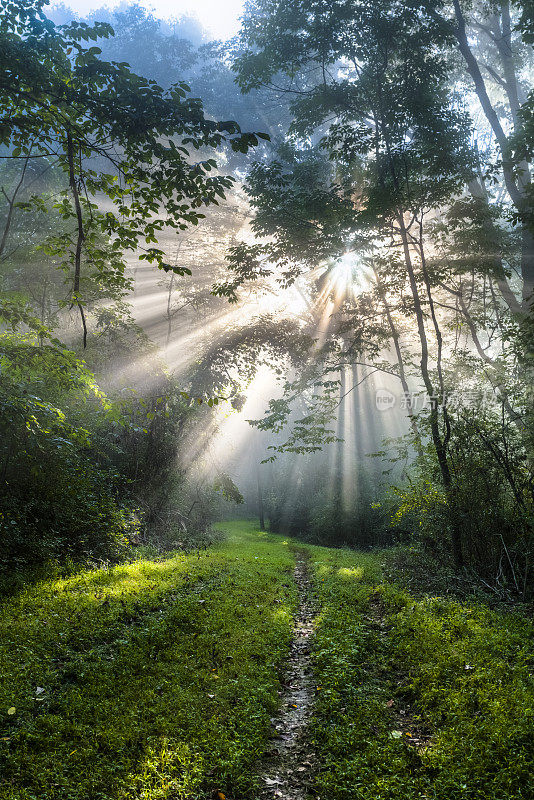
{"x": 11, "y": 205}
{"x": 439, "y": 444}
{"x": 261, "y": 514}
{"x": 400, "y": 363}
{"x": 515, "y": 187}
{"x": 80, "y": 233}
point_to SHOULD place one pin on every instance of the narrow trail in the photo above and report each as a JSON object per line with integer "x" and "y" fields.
{"x": 287, "y": 767}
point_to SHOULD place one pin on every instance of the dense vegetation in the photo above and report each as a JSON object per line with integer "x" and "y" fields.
{"x": 82, "y": 467}
{"x": 157, "y": 680}
{"x": 427, "y": 697}
{"x": 147, "y": 680}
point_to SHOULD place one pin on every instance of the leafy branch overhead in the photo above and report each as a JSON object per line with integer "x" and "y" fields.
{"x": 117, "y": 137}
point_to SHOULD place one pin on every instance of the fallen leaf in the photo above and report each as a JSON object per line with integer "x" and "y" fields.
{"x": 396, "y": 734}
{"x": 272, "y": 781}
{"x": 11, "y": 711}
{"x": 390, "y": 703}
{"x": 221, "y": 796}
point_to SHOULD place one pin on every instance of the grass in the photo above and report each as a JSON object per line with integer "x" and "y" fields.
{"x": 152, "y": 680}
{"x": 427, "y": 698}
{"x": 156, "y": 680}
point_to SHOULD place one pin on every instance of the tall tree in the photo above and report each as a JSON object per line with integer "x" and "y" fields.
{"x": 489, "y": 41}
{"x": 369, "y": 85}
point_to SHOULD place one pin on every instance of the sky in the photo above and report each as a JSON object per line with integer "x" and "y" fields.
{"x": 220, "y": 18}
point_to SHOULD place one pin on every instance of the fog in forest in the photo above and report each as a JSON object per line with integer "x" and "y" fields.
{"x": 328, "y": 324}
{"x": 266, "y": 400}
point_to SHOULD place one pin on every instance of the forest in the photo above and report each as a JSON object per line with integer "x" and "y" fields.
{"x": 267, "y": 400}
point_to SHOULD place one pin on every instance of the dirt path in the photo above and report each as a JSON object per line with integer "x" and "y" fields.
{"x": 287, "y": 767}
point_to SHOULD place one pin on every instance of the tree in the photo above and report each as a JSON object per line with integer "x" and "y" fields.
{"x": 380, "y": 176}
{"x": 496, "y": 26}
{"x": 116, "y": 137}
{"x": 398, "y": 146}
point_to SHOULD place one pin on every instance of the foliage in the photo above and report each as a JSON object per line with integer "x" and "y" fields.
{"x": 55, "y": 502}
{"x": 225, "y": 485}
{"x": 96, "y": 161}
{"x": 173, "y": 51}
{"x": 233, "y": 359}
{"x": 87, "y": 472}
{"x": 114, "y": 135}
{"x": 493, "y": 501}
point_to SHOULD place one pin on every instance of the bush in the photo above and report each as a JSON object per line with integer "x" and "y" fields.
{"x": 69, "y": 513}
{"x": 491, "y": 503}
{"x": 57, "y": 502}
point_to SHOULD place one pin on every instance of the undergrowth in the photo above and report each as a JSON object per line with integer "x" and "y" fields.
{"x": 151, "y": 680}
{"x": 156, "y": 680}
{"x": 428, "y": 698}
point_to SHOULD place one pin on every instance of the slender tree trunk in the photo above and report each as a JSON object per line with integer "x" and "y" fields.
{"x": 11, "y": 205}
{"x": 80, "y": 233}
{"x": 502, "y": 38}
{"x": 341, "y": 432}
{"x": 527, "y": 267}
{"x": 260, "y": 499}
{"x": 400, "y": 363}
{"x": 515, "y": 188}
{"x": 439, "y": 444}
{"x": 439, "y": 337}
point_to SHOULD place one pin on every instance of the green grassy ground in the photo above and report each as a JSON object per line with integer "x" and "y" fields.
{"x": 425, "y": 699}
{"x": 156, "y": 681}
{"x": 152, "y": 680}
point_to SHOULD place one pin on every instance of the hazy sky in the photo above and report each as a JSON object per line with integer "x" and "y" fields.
{"x": 219, "y": 18}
